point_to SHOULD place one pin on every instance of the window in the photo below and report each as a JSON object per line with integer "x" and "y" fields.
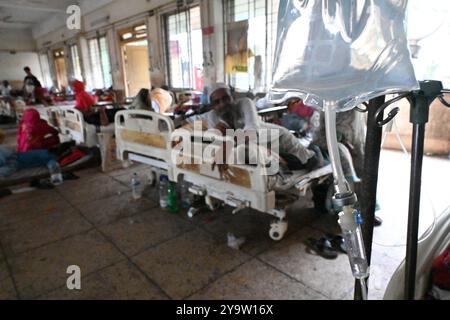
{"x": 100, "y": 64}
{"x": 258, "y": 20}
{"x": 133, "y": 34}
{"x": 184, "y": 49}
{"x": 45, "y": 67}
{"x": 428, "y": 39}
{"x": 75, "y": 62}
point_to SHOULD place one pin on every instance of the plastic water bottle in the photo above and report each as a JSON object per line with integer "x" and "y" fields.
{"x": 172, "y": 199}
{"x": 136, "y": 187}
{"x": 185, "y": 196}
{"x": 55, "y": 173}
{"x": 163, "y": 191}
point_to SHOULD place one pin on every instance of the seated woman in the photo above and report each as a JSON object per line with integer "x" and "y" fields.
{"x": 83, "y": 100}
{"x": 37, "y": 94}
{"x": 85, "y": 103}
{"x": 35, "y": 133}
{"x": 299, "y": 118}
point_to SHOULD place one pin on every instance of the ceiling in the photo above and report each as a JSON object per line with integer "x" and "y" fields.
{"x": 24, "y": 14}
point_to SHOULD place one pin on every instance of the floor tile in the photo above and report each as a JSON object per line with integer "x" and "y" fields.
{"x": 7, "y": 291}
{"x": 38, "y": 271}
{"x": 381, "y": 270}
{"x": 4, "y": 273}
{"x": 121, "y": 281}
{"x": 24, "y": 210}
{"x": 87, "y": 190}
{"x": 332, "y": 278}
{"x": 46, "y": 228}
{"x": 245, "y": 283}
{"x": 134, "y": 234}
{"x": 107, "y": 210}
{"x": 186, "y": 264}
{"x": 134, "y": 167}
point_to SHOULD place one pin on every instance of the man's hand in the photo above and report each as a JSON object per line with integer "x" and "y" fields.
{"x": 222, "y": 127}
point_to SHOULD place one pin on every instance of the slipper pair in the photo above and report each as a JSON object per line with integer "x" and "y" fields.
{"x": 44, "y": 184}
{"x": 327, "y": 247}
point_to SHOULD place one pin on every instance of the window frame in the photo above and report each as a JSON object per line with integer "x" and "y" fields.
{"x": 166, "y": 47}
{"x": 79, "y": 61}
{"x": 97, "y": 40}
{"x": 46, "y": 71}
{"x": 270, "y": 18}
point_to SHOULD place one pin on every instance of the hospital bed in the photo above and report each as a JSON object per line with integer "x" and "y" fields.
{"x": 244, "y": 185}
{"x": 6, "y": 108}
{"x": 72, "y": 126}
{"x": 69, "y": 122}
{"x": 146, "y": 137}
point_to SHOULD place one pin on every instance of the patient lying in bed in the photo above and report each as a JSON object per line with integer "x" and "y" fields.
{"x": 241, "y": 114}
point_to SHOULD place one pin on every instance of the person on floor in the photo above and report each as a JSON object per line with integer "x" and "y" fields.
{"x": 11, "y": 161}
{"x": 35, "y": 133}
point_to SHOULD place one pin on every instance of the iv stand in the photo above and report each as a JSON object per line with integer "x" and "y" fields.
{"x": 420, "y": 101}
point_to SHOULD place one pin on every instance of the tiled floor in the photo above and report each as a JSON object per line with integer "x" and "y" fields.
{"x": 129, "y": 249}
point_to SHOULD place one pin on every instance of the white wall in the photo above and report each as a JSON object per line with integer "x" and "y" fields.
{"x": 12, "y": 65}
{"x": 16, "y": 40}
{"x": 17, "y": 50}
{"x": 110, "y": 16}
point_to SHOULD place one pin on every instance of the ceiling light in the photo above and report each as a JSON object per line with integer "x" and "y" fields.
{"x": 141, "y": 27}
{"x": 127, "y": 36}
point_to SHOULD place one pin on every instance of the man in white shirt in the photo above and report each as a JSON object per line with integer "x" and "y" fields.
{"x": 228, "y": 113}
{"x": 5, "y": 89}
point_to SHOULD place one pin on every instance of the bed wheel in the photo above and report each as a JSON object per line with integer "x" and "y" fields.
{"x": 192, "y": 212}
{"x": 278, "y": 230}
{"x": 152, "y": 179}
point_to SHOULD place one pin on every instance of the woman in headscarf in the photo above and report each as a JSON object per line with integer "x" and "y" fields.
{"x": 84, "y": 101}
{"x": 35, "y": 133}
{"x": 161, "y": 100}
{"x": 142, "y": 101}
{"x": 158, "y": 100}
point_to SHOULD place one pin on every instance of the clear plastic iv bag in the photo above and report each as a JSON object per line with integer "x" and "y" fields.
{"x": 345, "y": 51}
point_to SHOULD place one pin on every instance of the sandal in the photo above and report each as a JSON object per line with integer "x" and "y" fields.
{"x": 337, "y": 242}
{"x": 321, "y": 247}
{"x": 70, "y": 176}
{"x": 42, "y": 184}
{"x": 5, "y": 193}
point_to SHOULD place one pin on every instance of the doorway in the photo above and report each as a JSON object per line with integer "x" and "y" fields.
{"x": 135, "y": 59}
{"x": 60, "y": 68}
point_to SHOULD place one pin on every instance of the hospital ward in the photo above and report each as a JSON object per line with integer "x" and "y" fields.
{"x": 226, "y": 150}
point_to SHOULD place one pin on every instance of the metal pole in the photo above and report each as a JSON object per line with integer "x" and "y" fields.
{"x": 414, "y": 208}
{"x": 368, "y": 194}
{"x": 420, "y": 107}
